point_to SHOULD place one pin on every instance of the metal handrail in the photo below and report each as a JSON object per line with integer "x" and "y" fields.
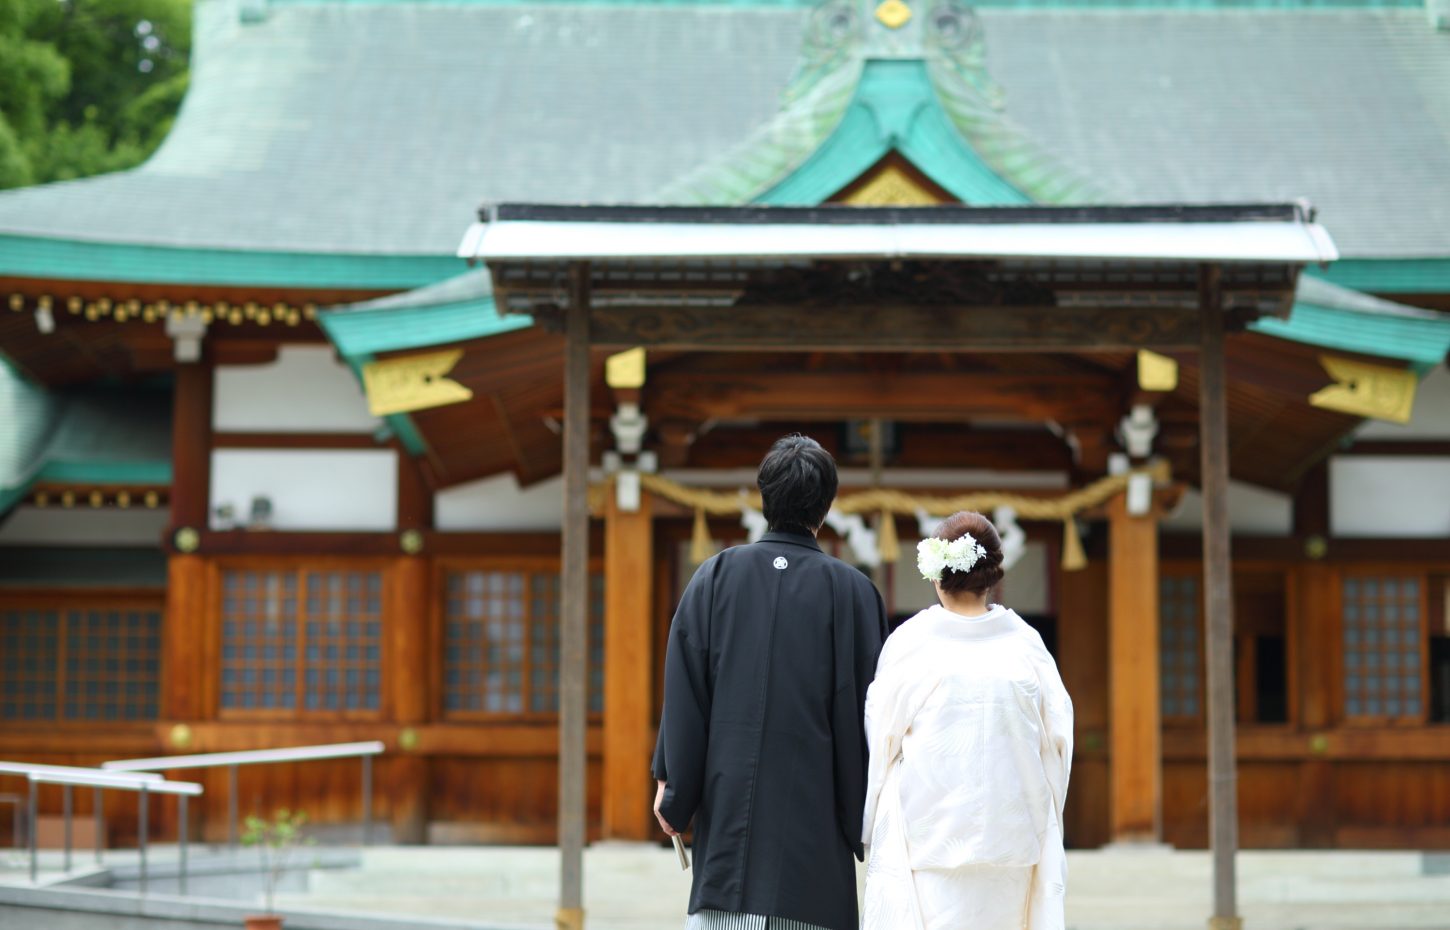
{"x": 17, "y": 816}
{"x": 92, "y": 778}
{"x": 233, "y": 760}
{"x": 24, "y": 769}
{"x": 28, "y": 768}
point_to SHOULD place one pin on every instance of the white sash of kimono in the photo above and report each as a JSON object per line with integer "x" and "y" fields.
{"x": 917, "y": 921}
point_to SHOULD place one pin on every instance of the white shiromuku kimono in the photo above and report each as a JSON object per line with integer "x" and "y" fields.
{"x": 970, "y": 733}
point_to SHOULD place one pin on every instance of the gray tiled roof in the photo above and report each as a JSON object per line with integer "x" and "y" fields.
{"x": 1348, "y": 108}
{"x": 378, "y": 128}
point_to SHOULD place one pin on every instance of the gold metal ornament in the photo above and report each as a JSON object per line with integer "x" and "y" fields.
{"x": 187, "y": 539}
{"x": 408, "y": 739}
{"x": 1156, "y": 372}
{"x": 893, "y": 14}
{"x": 626, "y": 369}
{"x": 1367, "y": 390}
{"x": 180, "y": 736}
{"x": 411, "y": 542}
{"x": 413, "y": 382}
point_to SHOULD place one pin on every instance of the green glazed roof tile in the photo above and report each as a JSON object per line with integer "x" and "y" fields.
{"x": 1334, "y": 317}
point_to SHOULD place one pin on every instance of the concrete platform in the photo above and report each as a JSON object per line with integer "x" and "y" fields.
{"x": 640, "y": 887}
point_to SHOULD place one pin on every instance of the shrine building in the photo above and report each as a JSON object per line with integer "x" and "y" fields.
{"x": 281, "y": 434}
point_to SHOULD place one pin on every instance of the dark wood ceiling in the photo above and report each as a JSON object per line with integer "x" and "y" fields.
{"x": 950, "y": 410}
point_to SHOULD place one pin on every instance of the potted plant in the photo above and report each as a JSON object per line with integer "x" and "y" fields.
{"x": 276, "y": 840}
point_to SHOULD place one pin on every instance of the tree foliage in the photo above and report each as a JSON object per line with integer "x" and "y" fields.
{"x": 87, "y": 86}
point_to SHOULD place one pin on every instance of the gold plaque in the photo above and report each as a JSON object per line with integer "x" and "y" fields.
{"x": 1366, "y": 390}
{"x": 626, "y": 369}
{"x": 413, "y": 382}
{"x": 890, "y": 186}
{"x": 1156, "y": 372}
{"x": 893, "y": 14}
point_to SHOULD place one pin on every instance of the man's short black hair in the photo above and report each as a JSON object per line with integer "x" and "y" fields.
{"x": 797, "y": 482}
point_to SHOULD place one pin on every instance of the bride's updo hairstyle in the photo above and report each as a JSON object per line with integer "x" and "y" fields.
{"x": 987, "y": 573}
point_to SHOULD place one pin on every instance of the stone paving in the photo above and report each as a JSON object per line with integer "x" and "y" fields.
{"x": 640, "y": 887}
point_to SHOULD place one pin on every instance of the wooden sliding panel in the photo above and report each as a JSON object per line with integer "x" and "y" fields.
{"x": 1136, "y": 794}
{"x": 629, "y": 676}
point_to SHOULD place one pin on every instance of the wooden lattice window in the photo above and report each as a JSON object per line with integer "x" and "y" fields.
{"x": 301, "y": 639}
{"x": 1180, "y": 634}
{"x": 501, "y": 642}
{"x": 112, "y": 664}
{"x": 1383, "y": 627}
{"x": 89, "y": 661}
{"x": 29, "y": 664}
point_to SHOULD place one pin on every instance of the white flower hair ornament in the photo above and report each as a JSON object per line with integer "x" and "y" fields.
{"x": 934, "y": 556}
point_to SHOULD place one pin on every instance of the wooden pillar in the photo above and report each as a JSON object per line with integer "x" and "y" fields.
{"x": 408, "y": 656}
{"x": 1217, "y": 601}
{"x": 184, "y": 678}
{"x": 628, "y": 671}
{"x": 1135, "y": 726}
{"x": 1315, "y": 629}
{"x": 574, "y": 612}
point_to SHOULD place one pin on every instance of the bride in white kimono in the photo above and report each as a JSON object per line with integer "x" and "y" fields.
{"x": 970, "y": 733}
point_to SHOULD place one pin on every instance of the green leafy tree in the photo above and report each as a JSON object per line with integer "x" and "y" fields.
{"x": 87, "y": 86}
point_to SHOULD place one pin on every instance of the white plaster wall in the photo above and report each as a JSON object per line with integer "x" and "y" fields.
{"x": 1252, "y": 511}
{"x": 1430, "y": 417}
{"x": 83, "y": 526}
{"x": 1404, "y": 496}
{"x": 344, "y": 489}
{"x": 498, "y": 503}
{"x": 307, "y": 390}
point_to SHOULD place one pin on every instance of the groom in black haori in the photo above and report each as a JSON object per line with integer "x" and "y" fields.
{"x": 761, "y": 741}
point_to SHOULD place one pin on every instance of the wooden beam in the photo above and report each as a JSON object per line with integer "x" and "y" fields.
{"x": 574, "y": 612}
{"x": 1311, "y": 503}
{"x": 191, "y": 442}
{"x": 408, "y": 655}
{"x": 294, "y": 441}
{"x": 892, "y": 327}
{"x": 1218, "y": 602}
{"x": 1134, "y": 728}
{"x": 628, "y": 671}
{"x": 409, "y": 666}
{"x": 183, "y": 638}
{"x": 1314, "y": 645}
{"x": 901, "y": 395}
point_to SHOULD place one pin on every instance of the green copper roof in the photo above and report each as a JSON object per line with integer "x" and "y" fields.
{"x": 1334, "y": 317}
{"x": 297, "y": 161}
{"x": 456, "y": 310}
{"x": 81, "y": 260}
{"x": 91, "y": 436}
{"x": 894, "y": 110}
{"x": 1404, "y": 276}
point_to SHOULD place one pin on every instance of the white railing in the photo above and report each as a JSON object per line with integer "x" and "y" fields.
{"x": 26, "y": 769}
{"x": 234, "y": 760}
{"x": 69, "y": 778}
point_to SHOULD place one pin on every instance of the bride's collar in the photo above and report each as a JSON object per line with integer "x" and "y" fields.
{"x": 997, "y": 621}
